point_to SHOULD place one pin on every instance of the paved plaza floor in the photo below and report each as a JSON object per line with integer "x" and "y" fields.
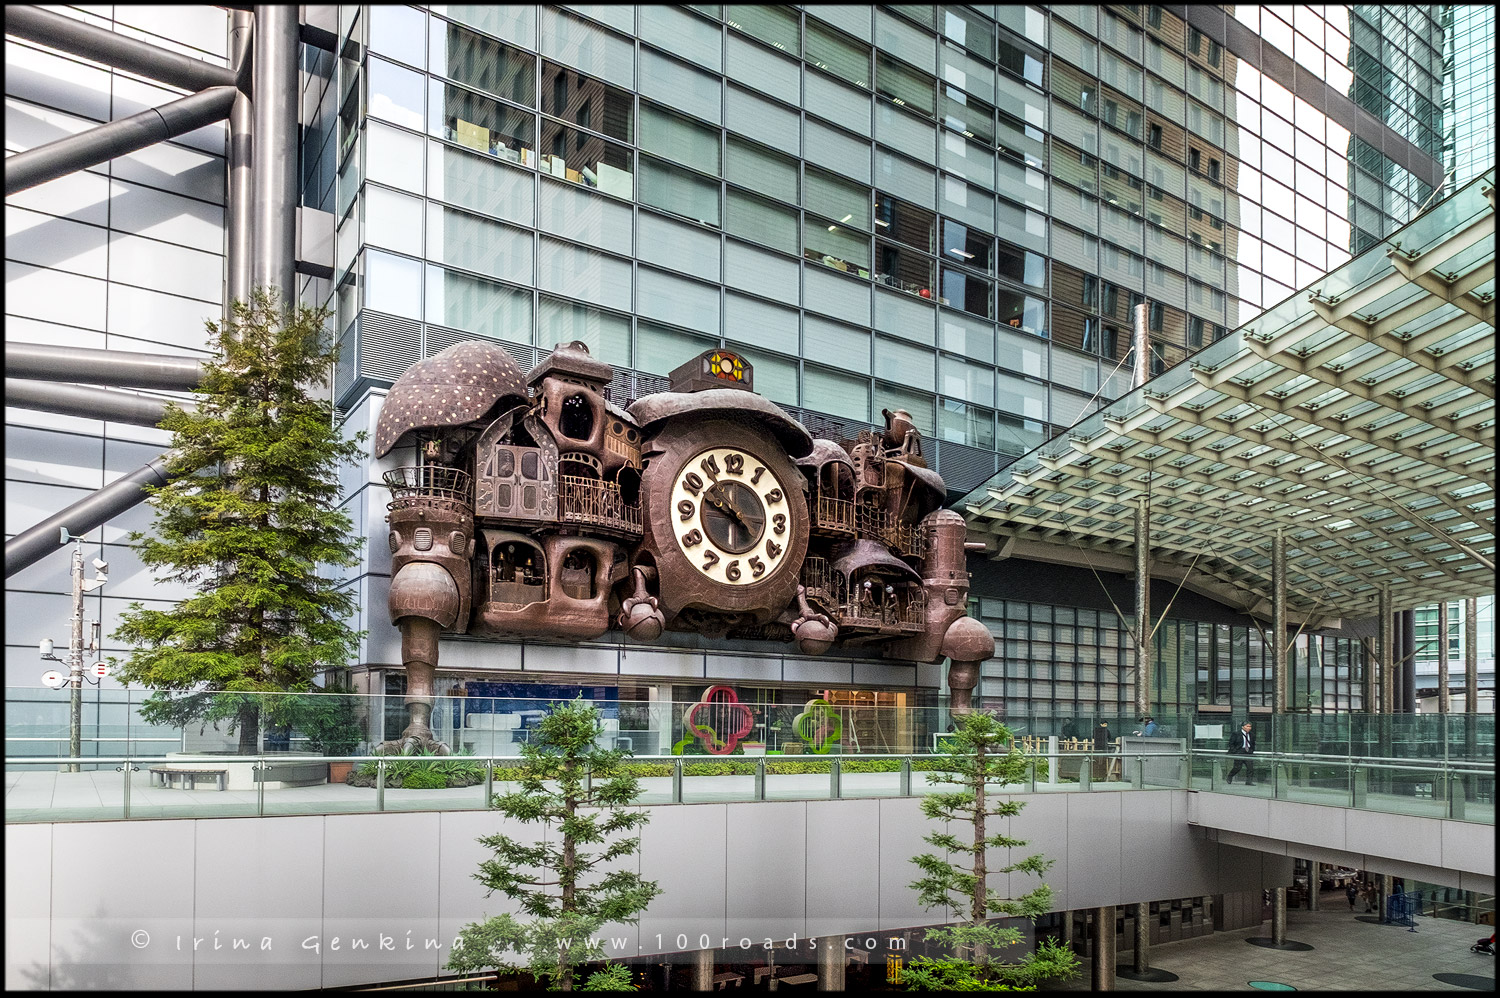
{"x": 1348, "y": 954}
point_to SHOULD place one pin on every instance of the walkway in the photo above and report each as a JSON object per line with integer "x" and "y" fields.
{"x": 1348, "y": 954}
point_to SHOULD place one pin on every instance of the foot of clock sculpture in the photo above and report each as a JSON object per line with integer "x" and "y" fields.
{"x": 813, "y": 631}
{"x": 640, "y": 617}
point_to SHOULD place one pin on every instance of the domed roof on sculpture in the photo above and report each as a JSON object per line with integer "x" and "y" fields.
{"x": 451, "y": 388}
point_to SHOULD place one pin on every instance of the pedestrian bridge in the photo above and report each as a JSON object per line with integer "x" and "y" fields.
{"x": 326, "y": 886}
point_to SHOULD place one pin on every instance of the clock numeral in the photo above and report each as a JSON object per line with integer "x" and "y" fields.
{"x": 692, "y": 483}
{"x": 734, "y": 464}
{"x": 773, "y": 496}
{"x": 757, "y": 567}
{"x": 778, "y": 523}
{"x": 732, "y": 571}
{"x": 710, "y": 559}
{"x": 710, "y": 466}
{"x": 755, "y": 478}
{"x": 685, "y": 509}
{"x": 692, "y": 538}
{"x": 773, "y": 550}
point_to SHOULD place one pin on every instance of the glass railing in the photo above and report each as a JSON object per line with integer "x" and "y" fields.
{"x": 114, "y": 725}
{"x": 216, "y": 785}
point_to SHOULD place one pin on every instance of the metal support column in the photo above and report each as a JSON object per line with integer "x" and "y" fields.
{"x": 238, "y": 248}
{"x": 75, "y": 664}
{"x": 274, "y": 181}
{"x": 1104, "y": 949}
{"x": 1143, "y": 937}
{"x": 1385, "y": 652}
{"x": 1442, "y": 657}
{"x": 1408, "y": 661}
{"x": 1278, "y": 916}
{"x": 832, "y": 960}
{"x": 1278, "y": 620}
{"x": 1314, "y": 879}
{"x": 1471, "y": 656}
{"x": 1143, "y": 642}
{"x": 703, "y": 970}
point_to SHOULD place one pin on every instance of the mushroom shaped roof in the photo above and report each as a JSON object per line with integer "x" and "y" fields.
{"x": 451, "y": 388}
{"x": 824, "y": 452}
{"x": 864, "y": 553}
{"x": 731, "y": 403}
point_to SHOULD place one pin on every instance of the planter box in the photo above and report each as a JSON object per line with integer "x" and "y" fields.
{"x": 754, "y": 748}
{"x": 339, "y": 771}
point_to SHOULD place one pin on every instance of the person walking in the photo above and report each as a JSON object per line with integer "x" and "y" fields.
{"x": 1242, "y": 744}
{"x": 1352, "y": 893}
{"x": 1151, "y": 726}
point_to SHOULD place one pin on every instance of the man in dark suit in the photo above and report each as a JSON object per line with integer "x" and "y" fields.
{"x": 1242, "y": 744}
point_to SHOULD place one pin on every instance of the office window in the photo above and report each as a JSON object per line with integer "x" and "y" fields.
{"x": 962, "y": 423}
{"x": 836, "y": 53}
{"x": 1021, "y": 58}
{"x": 967, "y": 246}
{"x": 761, "y": 221}
{"x": 1022, "y": 312}
{"x": 679, "y": 191}
{"x": 774, "y": 26}
{"x": 1021, "y": 266}
{"x": 835, "y": 393}
{"x": 836, "y": 198}
{"x": 659, "y": 349}
{"x": 761, "y": 169}
{"x": 585, "y": 158}
{"x": 834, "y": 244}
{"x": 966, "y": 291}
{"x": 482, "y": 63}
{"x": 679, "y": 139}
{"x": 475, "y": 305}
{"x": 395, "y": 93}
{"x": 584, "y": 101}
{"x": 905, "y": 86}
{"x": 481, "y": 124}
{"x": 470, "y": 242}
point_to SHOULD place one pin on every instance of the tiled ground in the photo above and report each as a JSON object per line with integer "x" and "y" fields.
{"x": 1347, "y": 955}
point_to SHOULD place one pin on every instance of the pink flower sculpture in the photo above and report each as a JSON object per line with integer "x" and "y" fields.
{"x": 719, "y": 710}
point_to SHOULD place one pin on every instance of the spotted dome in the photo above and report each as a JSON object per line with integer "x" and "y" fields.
{"x": 451, "y": 388}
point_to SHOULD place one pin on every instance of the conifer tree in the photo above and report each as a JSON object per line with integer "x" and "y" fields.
{"x": 982, "y": 760}
{"x": 251, "y": 521}
{"x": 585, "y": 793}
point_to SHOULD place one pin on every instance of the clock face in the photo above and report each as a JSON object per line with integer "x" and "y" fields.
{"x": 731, "y": 516}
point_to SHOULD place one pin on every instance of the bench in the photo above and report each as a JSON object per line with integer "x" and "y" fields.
{"x": 721, "y": 981}
{"x": 797, "y": 979}
{"x": 165, "y": 777}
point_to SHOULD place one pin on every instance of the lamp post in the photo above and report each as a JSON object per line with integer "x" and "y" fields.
{"x": 75, "y": 646}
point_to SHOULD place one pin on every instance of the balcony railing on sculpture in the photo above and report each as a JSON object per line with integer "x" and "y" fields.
{"x": 834, "y": 516}
{"x": 876, "y": 524}
{"x": 596, "y": 502}
{"x": 824, "y": 587}
{"x": 908, "y": 616}
{"x": 430, "y": 485}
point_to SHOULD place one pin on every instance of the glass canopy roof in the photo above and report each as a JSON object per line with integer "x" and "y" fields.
{"x": 1357, "y": 417}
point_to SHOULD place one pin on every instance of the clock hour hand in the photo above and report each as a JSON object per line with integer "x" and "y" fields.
{"x": 721, "y": 499}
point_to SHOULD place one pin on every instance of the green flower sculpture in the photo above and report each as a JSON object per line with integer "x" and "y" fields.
{"x": 819, "y": 726}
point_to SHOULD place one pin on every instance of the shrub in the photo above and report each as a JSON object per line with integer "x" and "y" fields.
{"x": 424, "y": 779}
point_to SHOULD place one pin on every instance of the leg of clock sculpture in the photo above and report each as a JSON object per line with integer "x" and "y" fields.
{"x": 419, "y": 653}
{"x": 967, "y": 643}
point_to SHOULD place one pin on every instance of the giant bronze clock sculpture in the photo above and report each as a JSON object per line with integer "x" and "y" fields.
{"x": 539, "y": 508}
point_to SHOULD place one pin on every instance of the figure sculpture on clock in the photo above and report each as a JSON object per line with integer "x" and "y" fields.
{"x": 536, "y": 506}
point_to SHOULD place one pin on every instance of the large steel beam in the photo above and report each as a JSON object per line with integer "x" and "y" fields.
{"x": 89, "y": 403}
{"x": 30, "y": 546}
{"x": 1279, "y": 676}
{"x": 1442, "y": 657}
{"x": 67, "y": 34}
{"x": 1143, "y": 642}
{"x": 102, "y": 367}
{"x": 1471, "y": 658}
{"x": 36, "y": 166}
{"x": 274, "y": 180}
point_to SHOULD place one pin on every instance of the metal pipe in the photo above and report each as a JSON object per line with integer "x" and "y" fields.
{"x": 67, "y": 34}
{"x": 1278, "y": 620}
{"x": 98, "y": 145}
{"x": 41, "y": 362}
{"x": 1442, "y": 658}
{"x": 1408, "y": 661}
{"x": 274, "y": 181}
{"x": 1142, "y": 345}
{"x": 1104, "y": 948}
{"x": 89, "y": 403}
{"x": 1278, "y": 916}
{"x": 1143, "y": 642}
{"x": 30, "y": 546}
{"x": 238, "y": 245}
{"x": 75, "y": 664}
{"x": 1471, "y": 658}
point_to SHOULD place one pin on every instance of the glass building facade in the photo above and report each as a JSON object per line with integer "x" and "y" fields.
{"x": 946, "y": 209}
